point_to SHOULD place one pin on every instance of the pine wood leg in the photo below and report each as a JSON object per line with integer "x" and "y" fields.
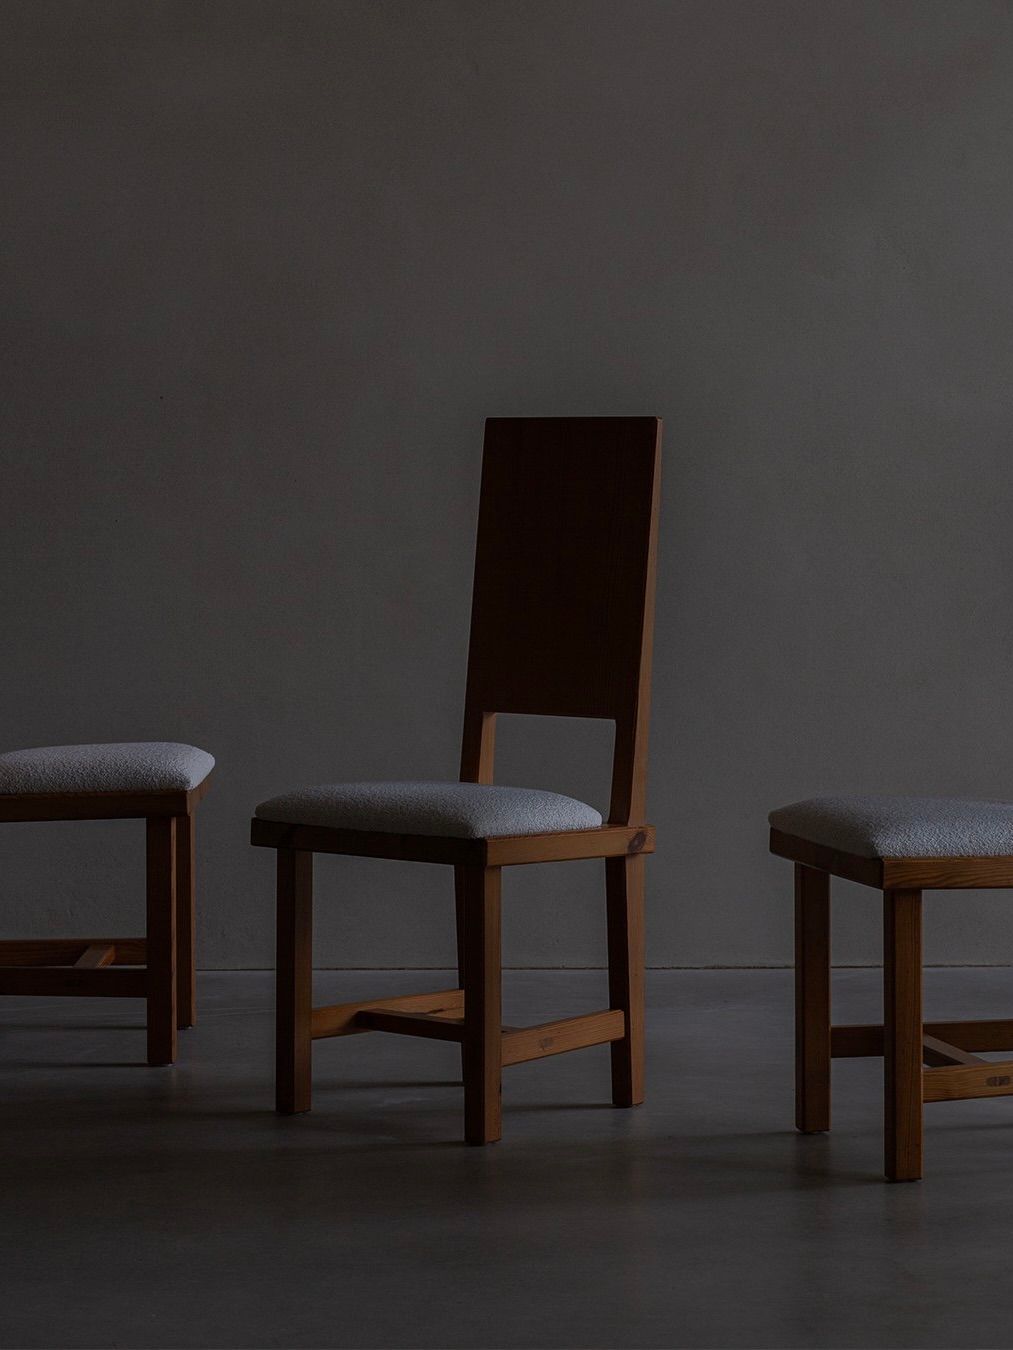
{"x": 294, "y": 967}
{"x": 902, "y": 1033}
{"x": 186, "y": 925}
{"x": 812, "y": 1000}
{"x": 161, "y": 939}
{"x": 460, "y": 913}
{"x": 483, "y": 1051}
{"x": 624, "y": 892}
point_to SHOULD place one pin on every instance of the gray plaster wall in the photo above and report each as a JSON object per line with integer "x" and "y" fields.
{"x": 267, "y": 267}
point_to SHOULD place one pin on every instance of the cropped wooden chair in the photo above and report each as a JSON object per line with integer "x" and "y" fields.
{"x": 901, "y": 846}
{"x": 562, "y": 620}
{"x": 161, "y": 783}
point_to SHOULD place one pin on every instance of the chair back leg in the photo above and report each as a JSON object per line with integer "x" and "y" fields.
{"x": 624, "y": 900}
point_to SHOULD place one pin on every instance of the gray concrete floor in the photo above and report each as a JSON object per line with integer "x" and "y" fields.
{"x": 171, "y": 1208}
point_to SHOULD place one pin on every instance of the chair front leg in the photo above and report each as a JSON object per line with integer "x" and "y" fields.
{"x": 460, "y": 917}
{"x": 479, "y": 897}
{"x": 812, "y": 1000}
{"x": 460, "y": 914}
{"x": 161, "y": 939}
{"x": 624, "y": 899}
{"x": 902, "y": 1033}
{"x": 186, "y": 925}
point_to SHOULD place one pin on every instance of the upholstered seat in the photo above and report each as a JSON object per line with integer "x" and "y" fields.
{"x": 133, "y": 766}
{"x": 455, "y": 810}
{"x": 902, "y": 827}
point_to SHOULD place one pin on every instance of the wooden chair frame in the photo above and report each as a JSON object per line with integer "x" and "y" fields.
{"x": 562, "y": 624}
{"x": 158, "y": 967}
{"x": 923, "y": 1061}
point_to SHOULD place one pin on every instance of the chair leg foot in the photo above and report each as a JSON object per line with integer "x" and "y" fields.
{"x": 483, "y": 1034}
{"x": 812, "y": 1000}
{"x": 294, "y": 966}
{"x": 624, "y": 899}
{"x": 161, "y": 939}
{"x": 902, "y": 1034}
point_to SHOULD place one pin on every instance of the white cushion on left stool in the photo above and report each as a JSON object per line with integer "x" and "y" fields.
{"x": 130, "y": 766}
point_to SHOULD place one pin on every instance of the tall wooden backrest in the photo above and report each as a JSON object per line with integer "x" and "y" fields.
{"x": 563, "y": 609}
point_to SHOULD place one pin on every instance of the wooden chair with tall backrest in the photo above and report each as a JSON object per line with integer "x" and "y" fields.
{"x": 562, "y": 621}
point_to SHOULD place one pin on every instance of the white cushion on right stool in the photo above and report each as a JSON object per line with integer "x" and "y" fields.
{"x": 902, "y": 827}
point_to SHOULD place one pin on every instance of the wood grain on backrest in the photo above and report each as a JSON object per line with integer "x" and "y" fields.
{"x": 562, "y": 613}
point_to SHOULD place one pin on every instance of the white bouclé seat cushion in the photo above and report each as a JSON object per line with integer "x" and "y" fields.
{"x": 452, "y": 810}
{"x": 133, "y": 766}
{"x": 902, "y": 827}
